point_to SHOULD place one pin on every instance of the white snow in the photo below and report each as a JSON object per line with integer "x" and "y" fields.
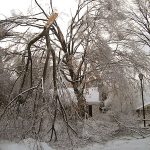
{"x": 122, "y": 144}
{"x": 126, "y": 143}
{"x": 27, "y": 144}
{"x": 92, "y": 95}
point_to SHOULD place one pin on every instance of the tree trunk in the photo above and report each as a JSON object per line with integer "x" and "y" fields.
{"x": 81, "y": 102}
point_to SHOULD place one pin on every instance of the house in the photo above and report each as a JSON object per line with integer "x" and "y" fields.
{"x": 139, "y": 110}
{"x": 92, "y": 100}
{"x": 92, "y": 96}
{"x": 139, "y": 105}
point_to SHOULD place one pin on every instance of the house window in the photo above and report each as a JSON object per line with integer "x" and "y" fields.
{"x": 90, "y": 110}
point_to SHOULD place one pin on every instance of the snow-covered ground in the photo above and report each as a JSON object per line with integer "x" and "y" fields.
{"x": 27, "y": 144}
{"x": 122, "y": 144}
{"x": 117, "y": 144}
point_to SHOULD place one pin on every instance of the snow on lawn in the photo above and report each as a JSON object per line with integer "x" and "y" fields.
{"x": 27, "y": 144}
{"x": 117, "y": 144}
{"x": 122, "y": 144}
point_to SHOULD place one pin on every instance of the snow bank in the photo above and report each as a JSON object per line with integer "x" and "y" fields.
{"x": 27, "y": 144}
{"x": 118, "y": 144}
{"x": 122, "y": 144}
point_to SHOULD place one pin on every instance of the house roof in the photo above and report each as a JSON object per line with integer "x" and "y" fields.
{"x": 91, "y": 95}
{"x": 146, "y": 95}
{"x": 145, "y": 105}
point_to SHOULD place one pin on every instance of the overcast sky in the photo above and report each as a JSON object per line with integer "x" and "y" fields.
{"x": 7, "y": 6}
{"x": 64, "y": 8}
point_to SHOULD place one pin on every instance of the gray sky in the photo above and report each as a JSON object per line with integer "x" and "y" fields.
{"x": 7, "y": 7}
{"x": 64, "y": 7}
